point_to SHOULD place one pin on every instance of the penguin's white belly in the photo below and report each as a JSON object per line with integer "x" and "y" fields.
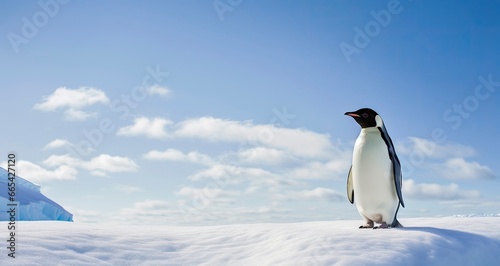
{"x": 373, "y": 183}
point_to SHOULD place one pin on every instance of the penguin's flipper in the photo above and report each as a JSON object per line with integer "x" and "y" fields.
{"x": 396, "y": 165}
{"x": 350, "y": 189}
{"x": 396, "y": 169}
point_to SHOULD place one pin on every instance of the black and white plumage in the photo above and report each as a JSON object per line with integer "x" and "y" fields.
{"x": 374, "y": 181}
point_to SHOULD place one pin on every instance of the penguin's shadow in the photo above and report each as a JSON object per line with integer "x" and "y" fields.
{"x": 457, "y": 237}
{"x": 440, "y": 246}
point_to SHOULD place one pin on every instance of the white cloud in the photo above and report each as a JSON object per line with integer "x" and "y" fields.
{"x": 152, "y": 205}
{"x": 432, "y": 149}
{"x": 194, "y": 192}
{"x": 185, "y": 212}
{"x": 208, "y": 195}
{"x": 338, "y": 167}
{"x": 443, "y": 160}
{"x": 232, "y": 173}
{"x": 179, "y": 156}
{"x": 318, "y": 193}
{"x": 293, "y": 142}
{"x": 435, "y": 191}
{"x": 299, "y": 142}
{"x": 152, "y": 128}
{"x": 215, "y": 129}
{"x": 36, "y": 173}
{"x": 161, "y": 212}
{"x": 57, "y": 143}
{"x": 113, "y": 164}
{"x": 148, "y": 208}
{"x": 255, "y": 179}
{"x": 100, "y": 165}
{"x": 159, "y": 90}
{"x": 128, "y": 189}
{"x": 264, "y": 155}
{"x": 458, "y": 168}
{"x": 57, "y": 160}
{"x": 72, "y": 101}
{"x": 78, "y": 115}
{"x": 86, "y": 216}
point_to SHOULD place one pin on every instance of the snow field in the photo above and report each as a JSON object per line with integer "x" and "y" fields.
{"x": 423, "y": 241}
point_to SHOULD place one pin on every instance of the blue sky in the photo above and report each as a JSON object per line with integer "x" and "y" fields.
{"x": 214, "y": 112}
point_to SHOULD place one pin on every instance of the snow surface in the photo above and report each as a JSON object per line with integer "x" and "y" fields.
{"x": 33, "y": 205}
{"x": 423, "y": 241}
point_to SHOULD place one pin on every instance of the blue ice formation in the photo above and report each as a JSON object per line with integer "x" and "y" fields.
{"x": 31, "y": 204}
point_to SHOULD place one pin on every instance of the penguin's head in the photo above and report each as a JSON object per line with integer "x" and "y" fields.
{"x": 366, "y": 117}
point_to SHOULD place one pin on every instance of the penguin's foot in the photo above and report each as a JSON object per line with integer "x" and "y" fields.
{"x": 367, "y": 225}
{"x": 382, "y": 225}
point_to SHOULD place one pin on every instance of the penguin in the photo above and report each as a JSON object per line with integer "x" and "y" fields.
{"x": 374, "y": 180}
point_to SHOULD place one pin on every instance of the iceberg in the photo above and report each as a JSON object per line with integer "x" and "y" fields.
{"x": 30, "y": 203}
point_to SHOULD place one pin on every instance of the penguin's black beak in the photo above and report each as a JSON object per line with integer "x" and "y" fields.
{"x": 352, "y": 114}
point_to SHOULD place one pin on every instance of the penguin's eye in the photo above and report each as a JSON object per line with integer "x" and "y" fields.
{"x": 365, "y": 115}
